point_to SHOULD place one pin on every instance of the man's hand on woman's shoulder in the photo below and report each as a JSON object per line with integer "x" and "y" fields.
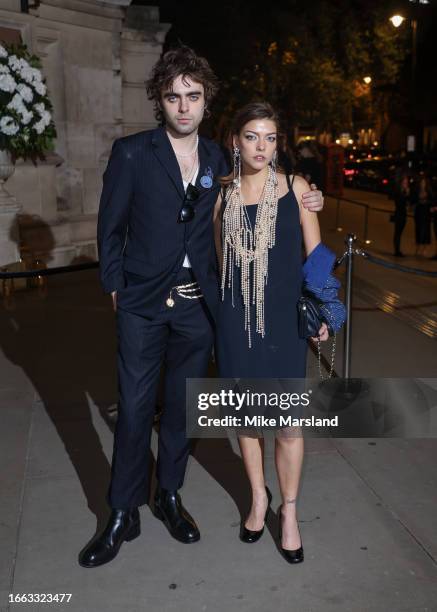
{"x": 313, "y": 199}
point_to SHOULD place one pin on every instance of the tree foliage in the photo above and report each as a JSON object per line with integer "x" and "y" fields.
{"x": 310, "y": 59}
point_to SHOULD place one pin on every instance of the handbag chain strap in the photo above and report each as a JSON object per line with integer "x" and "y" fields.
{"x": 319, "y": 356}
{"x": 319, "y": 352}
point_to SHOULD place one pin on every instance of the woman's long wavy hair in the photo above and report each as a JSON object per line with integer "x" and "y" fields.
{"x": 254, "y": 110}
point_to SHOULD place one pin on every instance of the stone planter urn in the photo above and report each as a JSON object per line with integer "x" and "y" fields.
{"x": 7, "y": 168}
{"x": 9, "y": 208}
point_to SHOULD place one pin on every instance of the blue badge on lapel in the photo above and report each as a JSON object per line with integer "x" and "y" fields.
{"x": 206, "y": 179}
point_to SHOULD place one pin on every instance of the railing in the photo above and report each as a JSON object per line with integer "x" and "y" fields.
{"x": 347, "y": 258}
{"x": 367, "y": 209}
{"x": 50, "y": 271}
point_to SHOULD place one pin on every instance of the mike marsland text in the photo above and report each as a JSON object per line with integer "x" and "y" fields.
{"x": 261, "y": 421}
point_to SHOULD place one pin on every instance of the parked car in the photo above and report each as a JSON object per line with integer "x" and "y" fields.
{"x": 370, "y": 174}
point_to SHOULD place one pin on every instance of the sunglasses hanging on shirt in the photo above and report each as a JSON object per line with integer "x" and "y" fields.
{"x": 187, "y": 211}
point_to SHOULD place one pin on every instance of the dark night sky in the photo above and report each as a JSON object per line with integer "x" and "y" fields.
{"x": 224, "y": 31}
{"x": 221, "y": 31}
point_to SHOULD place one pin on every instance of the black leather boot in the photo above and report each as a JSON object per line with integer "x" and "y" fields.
{"x": 168, "y": 508}
{"x": 123, "y": 526}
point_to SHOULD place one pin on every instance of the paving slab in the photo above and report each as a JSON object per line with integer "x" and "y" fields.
{"x": 390, "y": 468}
{"x": 15, "y": 428}
{"x": 345, "y": 536}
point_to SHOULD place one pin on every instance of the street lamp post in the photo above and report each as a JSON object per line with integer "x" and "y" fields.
{"x": 397, "y": 21}
{"x": 414, "y": 24}
{"x": 414, "y": 56}
{"x": 367, "y": 80}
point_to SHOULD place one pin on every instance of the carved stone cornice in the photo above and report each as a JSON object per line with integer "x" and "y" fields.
{"x": 109, "y": 8}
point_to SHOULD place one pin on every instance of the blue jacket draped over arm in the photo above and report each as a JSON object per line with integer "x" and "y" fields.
{"x": 320, "y": 282}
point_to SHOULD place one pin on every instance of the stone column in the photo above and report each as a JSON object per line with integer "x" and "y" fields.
{"x": 142, "y": 38}
{"x": 9, "y": 209}
{"x": 96, "y": 55}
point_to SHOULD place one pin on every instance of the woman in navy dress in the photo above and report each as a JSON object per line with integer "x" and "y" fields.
{"x": 261, "y": 227}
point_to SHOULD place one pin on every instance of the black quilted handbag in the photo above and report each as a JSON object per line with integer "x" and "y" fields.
{"x": 311, "y": 314}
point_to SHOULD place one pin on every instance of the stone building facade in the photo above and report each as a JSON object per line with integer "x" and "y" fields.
{"x": 96, "y": 56}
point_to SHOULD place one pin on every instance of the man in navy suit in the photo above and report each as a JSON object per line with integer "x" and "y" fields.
{"x": 157, "y": 259}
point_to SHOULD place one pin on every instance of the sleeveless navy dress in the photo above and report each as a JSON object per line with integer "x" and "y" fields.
{"x": 281, "y": 353}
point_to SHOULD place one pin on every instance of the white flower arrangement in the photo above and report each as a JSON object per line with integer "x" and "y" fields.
{"x": 26, "y": 125}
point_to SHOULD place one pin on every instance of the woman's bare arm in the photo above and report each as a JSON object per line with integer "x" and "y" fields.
{"x": 310, "y": 231}
{"x": 308, "y": 219}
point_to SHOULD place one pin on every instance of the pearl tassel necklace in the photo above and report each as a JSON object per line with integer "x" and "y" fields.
{"x": 243, "y": 245}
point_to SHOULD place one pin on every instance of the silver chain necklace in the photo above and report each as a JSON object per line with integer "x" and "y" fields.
{"x": 188, "y": 154}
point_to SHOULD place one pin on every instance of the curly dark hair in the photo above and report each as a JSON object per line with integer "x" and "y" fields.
{"x": 180, "y": 61}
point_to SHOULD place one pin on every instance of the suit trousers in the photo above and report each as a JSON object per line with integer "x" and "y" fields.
{"x": 181, "y": 338}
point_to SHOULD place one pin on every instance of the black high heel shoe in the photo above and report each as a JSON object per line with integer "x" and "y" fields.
{"x": 249, "y": 536}
{"x": 292, "y": 556}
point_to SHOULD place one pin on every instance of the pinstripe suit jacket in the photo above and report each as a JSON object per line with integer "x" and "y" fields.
{"x": 141, "y": 245}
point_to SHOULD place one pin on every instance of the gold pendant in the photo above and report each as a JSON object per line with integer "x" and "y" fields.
{"x": 170, "y": 302}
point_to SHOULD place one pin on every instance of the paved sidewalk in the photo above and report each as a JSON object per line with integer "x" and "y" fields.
{"x": 380, "y": 231}
{"x": 394, "y": 328}
{"x": 367, "y": 508}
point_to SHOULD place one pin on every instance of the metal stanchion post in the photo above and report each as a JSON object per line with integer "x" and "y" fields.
{"x": 346, "y": 394}
{"x": 351, "y": 238}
